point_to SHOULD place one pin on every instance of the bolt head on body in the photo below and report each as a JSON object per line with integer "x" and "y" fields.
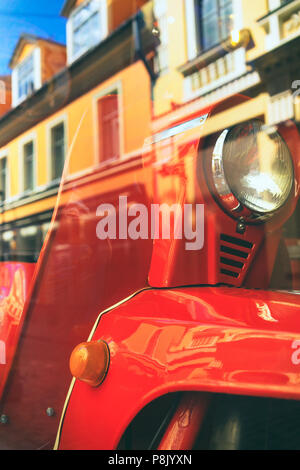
{"x": 3, "y": 419}
{"x": 50, "y": 412}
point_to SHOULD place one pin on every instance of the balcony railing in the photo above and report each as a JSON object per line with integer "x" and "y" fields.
{"x": 217, "y": 67}
{"x": 282, "y": 23}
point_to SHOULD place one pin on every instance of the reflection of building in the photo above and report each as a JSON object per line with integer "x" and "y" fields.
{"x": 111, "y": 69}
{"x": 212, "y": 60}
{"x": 220, "y": 48}
{"x": 88, "y": 97}
{"x": 34, "y": 61}
{"x": 279, "y": 62}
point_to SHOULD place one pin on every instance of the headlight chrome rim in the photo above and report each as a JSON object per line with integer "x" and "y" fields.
{"x": 229, "y": 199}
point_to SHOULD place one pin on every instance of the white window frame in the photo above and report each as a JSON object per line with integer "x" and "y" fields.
{"x": 272, "y": 23}
{"x": 32, "y": 137}
{"x": 238, "y": 56}
{"x": 273, "y": 4}
{"x": 162, "y": 61}
{"x": 106, "y": 91}
{"x": 104, "y": 29}
{"x": 62, "y": 119}
{"x": 191, "y": 30}
{"x": 37, "y": 72}
{"x": 5, "y": 154}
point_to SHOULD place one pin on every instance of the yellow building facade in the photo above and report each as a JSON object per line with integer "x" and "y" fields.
{"x": 183, "y": 56}
{"x": 202, "y": 70}
{"x": 57, "y": 103}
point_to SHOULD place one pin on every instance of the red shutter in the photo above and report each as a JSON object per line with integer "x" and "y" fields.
{"x": 108, "y": 118}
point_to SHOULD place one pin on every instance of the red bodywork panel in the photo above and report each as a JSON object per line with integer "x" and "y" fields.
{"x": 78, "y": 275}
{"x": 220, "y": 340}
{"x": 15, "y": 280}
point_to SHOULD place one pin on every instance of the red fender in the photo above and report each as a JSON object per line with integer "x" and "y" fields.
{"x": 219, "y": 340}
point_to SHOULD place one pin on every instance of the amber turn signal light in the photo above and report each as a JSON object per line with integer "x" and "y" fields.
{"x": 89, "y": 362}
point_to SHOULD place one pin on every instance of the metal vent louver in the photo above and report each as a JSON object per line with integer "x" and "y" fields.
{"x": 234, "y": 253}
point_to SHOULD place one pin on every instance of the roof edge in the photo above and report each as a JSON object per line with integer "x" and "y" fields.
{"x": 67, "y": 7}
{"x": 29, "y": 38}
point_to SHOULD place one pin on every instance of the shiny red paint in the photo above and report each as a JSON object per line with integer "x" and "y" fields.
{"x": 294, "y": 249}
{"x": 184, "y": 427}
{"x": 218, "y": 340}
{"x": 174, "y": 184}
{"x": 78, "y": 275}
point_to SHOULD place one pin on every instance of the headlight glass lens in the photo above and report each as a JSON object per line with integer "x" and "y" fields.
{"x": 257, "y": 166}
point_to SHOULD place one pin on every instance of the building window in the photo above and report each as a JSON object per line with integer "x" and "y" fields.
{"x": 3, "y": 179}
{"x": 58, "y": 150}
{"x": 109, "y": 127}
{"x": 26, "y": 77}
{"x": 215, "y": 21}
{"x": 87, "y": 26}
{"x": 28, "y": 166}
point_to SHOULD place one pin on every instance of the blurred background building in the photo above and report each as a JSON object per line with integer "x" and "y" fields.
{"x": 130, "y": 68}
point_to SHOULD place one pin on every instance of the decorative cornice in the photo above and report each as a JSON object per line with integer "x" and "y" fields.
{"x": 271, "y": 12}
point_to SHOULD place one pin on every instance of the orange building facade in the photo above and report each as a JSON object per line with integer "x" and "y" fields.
{"x": 86, "y": 102}
{"x": 123, "y": 76}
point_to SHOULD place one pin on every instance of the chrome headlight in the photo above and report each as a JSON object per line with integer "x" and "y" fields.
{"x": 252, "y": 169}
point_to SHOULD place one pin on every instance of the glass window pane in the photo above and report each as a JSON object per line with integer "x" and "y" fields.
{"x": 57, "y": 150}
{"x": 216, "y": 22}
{"x": 209, "y": 26}
{"x": 226, "y": 20}
{"x": 29, "y": 241}
{"x": 86, "y": 27}
{"x": 82, "y": 14}
{"x": 3, "y": 178}
{"x": 26, "y": 77}
{"x": 28, "y": 166}
{"x": 87, "y": 35}
{"x": 209, "y": 7}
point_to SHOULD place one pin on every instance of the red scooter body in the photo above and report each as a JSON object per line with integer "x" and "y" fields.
{"x": 205, "y": 339}
{"x": 175, "y": 328}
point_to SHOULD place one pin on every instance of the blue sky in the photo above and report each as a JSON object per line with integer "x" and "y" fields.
{"x": 39, "y": 17}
